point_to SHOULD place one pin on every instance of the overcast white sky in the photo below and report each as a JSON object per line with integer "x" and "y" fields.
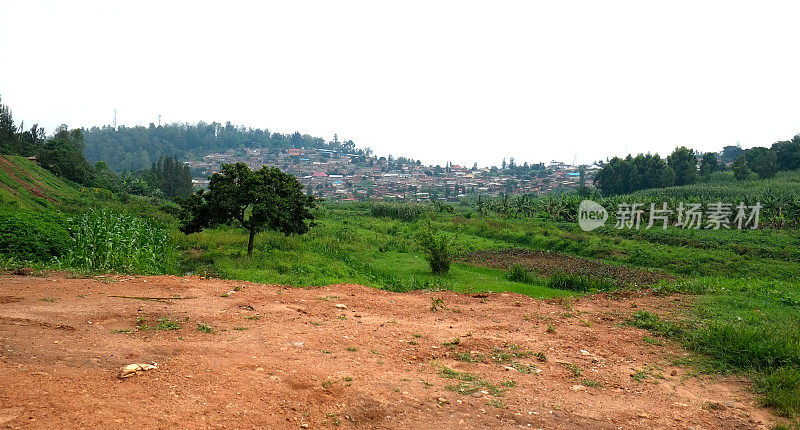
{"x": 456, "y": 81}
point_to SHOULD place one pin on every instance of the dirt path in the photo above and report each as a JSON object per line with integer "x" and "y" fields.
{"x": 283, "y": 357}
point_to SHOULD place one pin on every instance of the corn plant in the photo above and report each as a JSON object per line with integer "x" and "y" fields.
{"x": 107, "y": 241}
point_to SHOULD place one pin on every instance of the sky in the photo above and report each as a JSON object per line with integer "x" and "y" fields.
{"x": 459, "y": 81}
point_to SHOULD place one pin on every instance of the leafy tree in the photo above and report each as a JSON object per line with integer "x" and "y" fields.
{"x": 740, "y": 169}
{"x": 267, "y": 199}
{"x": 620, "y": 176}
{"x": 763, "y": 161}
{"x": 709, "y": 164}
{"x": 8, "y": 132}
{"x": 731, "y": 153}
{"x": 63, "y": 155}
{"x": 171, "y": 176}
{"x": 788, "y": 153}
{"x": 684, "y": 163}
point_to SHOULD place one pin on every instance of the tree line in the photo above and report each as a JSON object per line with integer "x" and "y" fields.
{"x": 63, "y": 155}
{"x": 136, "y": 148}
{"x": 629, "y": 174}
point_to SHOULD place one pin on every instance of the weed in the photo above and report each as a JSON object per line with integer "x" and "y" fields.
{"x": 240, "y": 328}
{"x": 167, "y": 324}
{"x": 352, "y": 348}
{"x": 591, "y": 383}
{"x": 497, "y": 403}
{"x": 205, "y": 328}
{"x": 467, "y": 357}
{"x": 541, "y": 356}
{"x": 253, "y": 317}
{"x": 437, "y": 303}
{"x": 453, "y": 343}
{"x": 574, "y": 282}
{"x": 652, "y": 341}
{"x": 519, "y": 273}
{"x": 551, "y": 328}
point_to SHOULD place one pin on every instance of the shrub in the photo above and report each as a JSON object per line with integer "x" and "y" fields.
{"x": 103, "y": 240}
{"x": 574, "y": 282}
{"x": 437, "y": 248}
{"x": 33, "y": 236}
{"x": 519, "y": 273}
{"x": 398, "y": 211}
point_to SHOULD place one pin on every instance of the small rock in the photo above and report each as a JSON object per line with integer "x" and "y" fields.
{"x": 133, "y": 369}
{"x": 577, "y": 388}
{"x": 303, "y": 426}
{"x": 341, "y": 306}
{"x": 24, "y": 271}
{"x": 442, "y": 400}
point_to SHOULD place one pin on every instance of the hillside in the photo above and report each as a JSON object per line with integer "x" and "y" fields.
{"x": 25, "y": 185}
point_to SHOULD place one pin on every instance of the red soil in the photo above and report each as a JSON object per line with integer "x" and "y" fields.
{"x": 306, "y": 363}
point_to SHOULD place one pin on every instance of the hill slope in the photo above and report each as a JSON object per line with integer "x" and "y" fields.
{"x": 25, "y": 185}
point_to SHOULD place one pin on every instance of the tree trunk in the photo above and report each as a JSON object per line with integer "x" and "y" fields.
{"x": 250, "y": 243}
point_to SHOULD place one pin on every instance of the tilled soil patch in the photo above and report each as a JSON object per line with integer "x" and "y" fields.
{"x": 547, "y": 263}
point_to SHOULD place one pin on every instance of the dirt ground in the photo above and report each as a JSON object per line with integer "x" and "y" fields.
{"x": 547, "y": 263}
{"x": 341, "y": 356}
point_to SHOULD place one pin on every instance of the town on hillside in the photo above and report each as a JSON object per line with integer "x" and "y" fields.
{"x": 345, "y": 176}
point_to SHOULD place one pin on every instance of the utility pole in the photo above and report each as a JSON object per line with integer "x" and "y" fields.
{"x": 115, "y": 118}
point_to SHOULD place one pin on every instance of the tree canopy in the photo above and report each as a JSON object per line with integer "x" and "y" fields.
{"x": 267, "y": 199}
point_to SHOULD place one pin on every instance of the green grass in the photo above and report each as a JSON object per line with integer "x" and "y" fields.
{"x": 108, "y": 241}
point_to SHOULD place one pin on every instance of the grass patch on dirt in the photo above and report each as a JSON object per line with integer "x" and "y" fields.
{"x": 743, "y": 326}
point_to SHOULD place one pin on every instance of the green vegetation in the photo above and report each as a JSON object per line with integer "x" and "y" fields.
{"x": 106, "y": 241}
{"x": 267, "y": 199}
{"x": 747, "y": 297}
{"x": 741, "y": 325}
{"x": 398, "y": 211}
{"x": 519, "y": 273}
{"x": 437, "y": 248}
{"x": 584, "y": 283}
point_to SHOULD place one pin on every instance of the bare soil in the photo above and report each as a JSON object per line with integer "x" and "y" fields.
{"x": 342, "y": 355}
{"x": 546, "y": 263}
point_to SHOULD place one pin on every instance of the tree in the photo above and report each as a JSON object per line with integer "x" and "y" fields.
{"x": 763, "y": 161}
{"x": 709, "y": 164}
{"x": 63, "y": 155}
{"x": 267, "y": 199}
{"x": 731, "y": 153}
{"x": 684, "y": 163}
{"x": 8, "y": 132}
{"x": 170, "y": 176}
{"x": 788, "y": 153}
{"x": 740, "y": 169}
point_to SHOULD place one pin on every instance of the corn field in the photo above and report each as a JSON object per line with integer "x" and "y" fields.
{"x": 780, "y": 203}
{"x": 107, "y": 241}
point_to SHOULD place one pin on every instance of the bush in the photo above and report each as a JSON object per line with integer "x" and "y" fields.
{"x": 103, "y": 240}
{"x": 519, "y": 273}
{"x": 574, "y": 282}
{"x": 398, "y": 211}
{"x": 437, "y": 248}
{"x": 33, "y": 236}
